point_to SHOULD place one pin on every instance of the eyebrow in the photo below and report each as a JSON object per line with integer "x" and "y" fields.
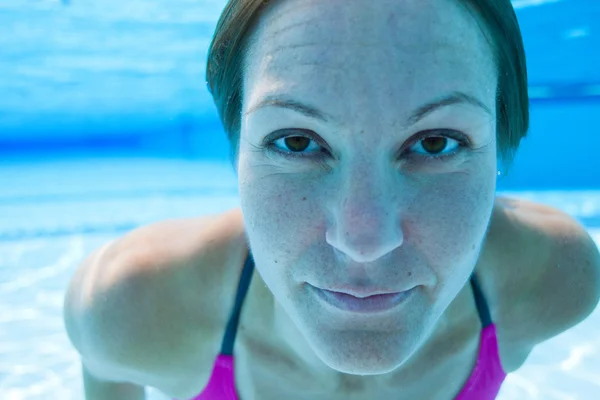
{"x": 452, "y": 98}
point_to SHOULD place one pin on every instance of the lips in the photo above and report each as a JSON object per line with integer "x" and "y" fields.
{"x": 369, "y": 304}
{"x": 362, "y": 292}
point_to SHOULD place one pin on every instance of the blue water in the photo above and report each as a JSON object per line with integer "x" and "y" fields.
{"x": 54, "y": 213}
{"x": 106, "y": 125}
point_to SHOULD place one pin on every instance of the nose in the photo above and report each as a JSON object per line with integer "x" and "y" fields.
{"x": 366, "y": 227}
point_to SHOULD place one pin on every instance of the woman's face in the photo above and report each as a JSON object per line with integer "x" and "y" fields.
{"x": 377, "y": 187}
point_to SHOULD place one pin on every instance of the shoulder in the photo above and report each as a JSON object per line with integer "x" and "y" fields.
{"x": 175, "y": 242}
{"x": 159, "y": 300}
{"x": 181, "y": 255}
{"x": 554, "y": 280}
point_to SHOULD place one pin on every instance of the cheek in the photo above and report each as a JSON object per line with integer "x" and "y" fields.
{"x": 448, "y": 223}
{"x": 282, "y": 215}
{"x": 445, "y": 217}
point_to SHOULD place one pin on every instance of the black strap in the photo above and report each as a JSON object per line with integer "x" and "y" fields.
{"x": 482, "y": 307}
{"x": 244, "y": 283}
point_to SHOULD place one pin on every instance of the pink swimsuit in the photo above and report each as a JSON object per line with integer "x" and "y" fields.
{"x": 483, "y": 384}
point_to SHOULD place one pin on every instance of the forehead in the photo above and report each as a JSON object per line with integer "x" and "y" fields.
{"x": 401, "y": 48}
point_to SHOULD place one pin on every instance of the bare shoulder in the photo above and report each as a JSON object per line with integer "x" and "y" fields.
{"x": 174, "y": 243}
{"x": 548, "y": 279}
{"x": 171, "y": 260}
{"x": 163, "y": 297}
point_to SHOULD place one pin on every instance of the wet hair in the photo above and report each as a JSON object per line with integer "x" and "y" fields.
{"x": 497, "y": 19}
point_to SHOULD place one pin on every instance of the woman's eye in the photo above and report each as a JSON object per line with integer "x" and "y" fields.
{"x": 295, "y": 146}
{"x": 433, "y": 146}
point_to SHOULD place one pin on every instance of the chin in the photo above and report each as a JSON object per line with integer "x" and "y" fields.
{"x": 363, "y": 369}
{"x": 364, "y": 352}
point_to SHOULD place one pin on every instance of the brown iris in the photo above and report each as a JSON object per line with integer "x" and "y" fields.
{"x": 297, "y": 143}
{"x": 434, "y": 144}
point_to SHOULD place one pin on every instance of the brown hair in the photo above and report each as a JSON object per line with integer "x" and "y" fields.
{"x": 229, "y": 47}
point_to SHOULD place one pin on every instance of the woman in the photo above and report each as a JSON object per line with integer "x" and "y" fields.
{"x": 366, "y": 138}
